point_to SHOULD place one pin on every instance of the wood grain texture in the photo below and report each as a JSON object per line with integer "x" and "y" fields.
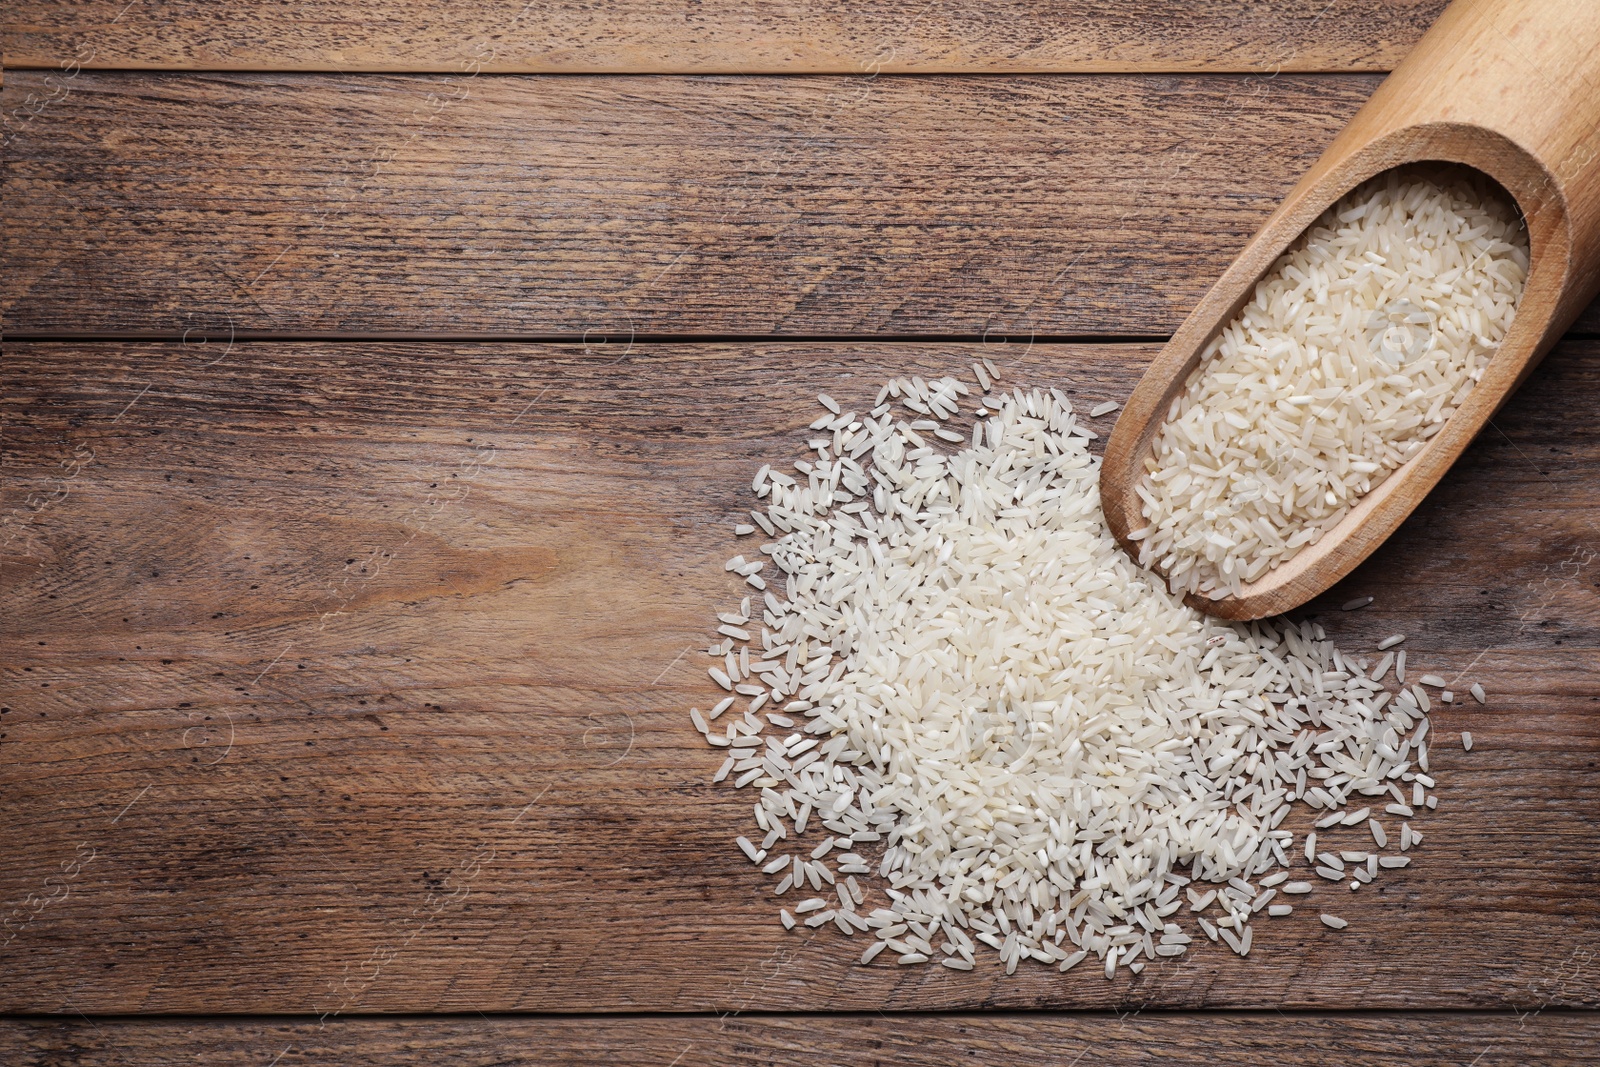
{"x": 161, "y": 204}
{"x": 177, "y": 205}
{"x": 1550, "y": 1038}
{"x": 538, "y": 206}
{"x": 720, "y": 36}
{"x": 352, "y": 678}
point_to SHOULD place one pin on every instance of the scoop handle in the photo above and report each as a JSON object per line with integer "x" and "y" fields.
{"x": 1511, "y": 87}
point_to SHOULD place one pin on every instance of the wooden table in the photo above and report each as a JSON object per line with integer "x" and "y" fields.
{"x": 381, "y": 382}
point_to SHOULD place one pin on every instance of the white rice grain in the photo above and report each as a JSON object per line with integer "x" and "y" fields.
{"x": 974, "y": 681}
{"x": 1355, "y": 349}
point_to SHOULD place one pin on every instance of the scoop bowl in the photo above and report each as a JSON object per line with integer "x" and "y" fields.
{"x": 1507, "y": 88}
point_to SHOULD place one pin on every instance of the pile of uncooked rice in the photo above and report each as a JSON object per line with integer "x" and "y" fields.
{"x": 956, "y": 680}
{"x": 1357, "y": 346}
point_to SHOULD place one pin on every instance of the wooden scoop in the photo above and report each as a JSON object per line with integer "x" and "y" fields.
{"x": 1510, "y": 88}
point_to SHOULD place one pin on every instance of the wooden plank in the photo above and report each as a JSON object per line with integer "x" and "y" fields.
{"x": 721, "y": 36}
{"x": 540, "y": 206}
{"x": 354, "y": 678}
{"x": 1553, "y": 1038}
{"x": 418, "y": 205}
{"x": 545, "y": 206}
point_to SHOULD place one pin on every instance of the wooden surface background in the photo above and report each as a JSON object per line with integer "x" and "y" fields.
{"x": 721, "y": 36}
{"x": 371, "y": 442}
